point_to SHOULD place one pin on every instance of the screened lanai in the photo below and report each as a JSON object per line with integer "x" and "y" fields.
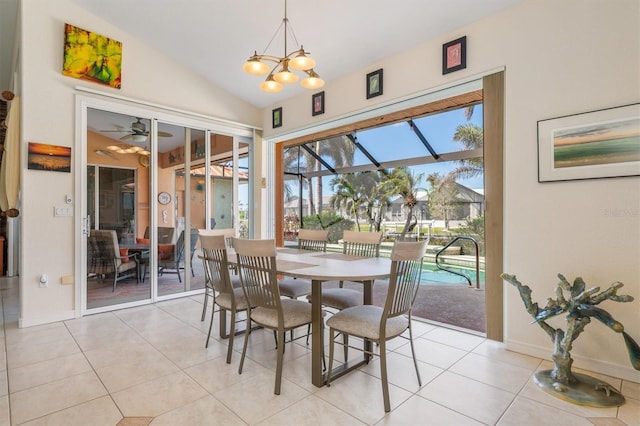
{"x": 420, "y": 177}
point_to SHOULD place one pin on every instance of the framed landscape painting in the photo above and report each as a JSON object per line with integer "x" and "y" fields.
{"x": 52, "y": 158}
{"x": 590, "y": 145}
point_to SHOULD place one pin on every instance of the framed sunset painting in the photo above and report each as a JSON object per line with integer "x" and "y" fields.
{"x": 47, "y": 157}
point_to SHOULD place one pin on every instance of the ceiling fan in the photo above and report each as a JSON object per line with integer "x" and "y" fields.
{"x": 138, "y": 132}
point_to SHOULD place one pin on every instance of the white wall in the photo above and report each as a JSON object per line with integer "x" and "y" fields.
{"x": 560, "y": 58}
{"x": 48, "y": 116}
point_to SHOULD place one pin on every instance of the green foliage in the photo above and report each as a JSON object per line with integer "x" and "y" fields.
{"x": 327, "y": 220}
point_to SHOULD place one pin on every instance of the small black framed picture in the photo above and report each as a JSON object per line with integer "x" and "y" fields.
{"x": 454, "y": 55}
{"x": 276, "y": 117}
{"x": 317, "y": 103}
{"x": 374, "y": 84}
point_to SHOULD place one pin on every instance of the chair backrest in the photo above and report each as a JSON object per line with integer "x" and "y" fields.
{"x": 362, "y": 243}
{"x": 178, "y": 251}
{"x": 258, "y": 273}
{"x": 165, "y": 234}
{"x": 406, "y": 268}
{"x": 313, "y": 239}
{"x": 228, "y": 233}
{"x": 215, "y": 261}
{"x": 103, "y": 251}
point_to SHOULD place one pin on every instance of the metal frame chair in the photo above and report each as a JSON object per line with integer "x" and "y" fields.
{"x": 258, "y": 275}
{"x": 209, "y": 290}
{"x": 381, "y": 324}
{"x": 308, "y": 239}
{"x": 357, "y": 244}
{"x": 218, "y": 280}
{"x": 103, "y": 257}
{"x": 174, "y": 264}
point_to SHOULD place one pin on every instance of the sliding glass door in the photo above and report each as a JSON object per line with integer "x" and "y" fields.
{"x": 151, "y": 186}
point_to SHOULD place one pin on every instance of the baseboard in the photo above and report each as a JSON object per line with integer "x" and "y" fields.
{"x": 59, "y": 316}
{"x": 601, "y": 367}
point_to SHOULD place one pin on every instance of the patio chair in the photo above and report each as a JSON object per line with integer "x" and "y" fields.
{"x": 105, "y": 257}
{"x": 230, "y": 297}
{"x": 165, "y": 234}
{"x": 171, "y": 256}
{"x": 381, "y": 324}
{"x": 258, "y": 275}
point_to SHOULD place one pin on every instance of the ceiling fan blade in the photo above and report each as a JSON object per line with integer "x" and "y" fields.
{"x": 126, "y": 137}
{"x": 164, "y": 134}
{"x": 115, "y": 131}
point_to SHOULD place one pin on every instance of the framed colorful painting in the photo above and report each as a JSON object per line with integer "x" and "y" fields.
{"x": 317, "y": 104}
{"x": 276, "y": 117}
{"x": 91, "y": 56}
{"x": 454, "y": 55}
{"x": 374, "y": 84}
{"x": 591, "y": 145}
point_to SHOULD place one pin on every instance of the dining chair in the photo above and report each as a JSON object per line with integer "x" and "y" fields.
{"x": 104, "y": 256}
{"x": 229, "y": 297}
{"x": 258, "y": 275}
{"x": 209, "y": 290}
{"x": 380, "y": 324}
{"x": 308, "y": 239}
{"x": 293, "y": 288}
{"x": 366, "y": 244}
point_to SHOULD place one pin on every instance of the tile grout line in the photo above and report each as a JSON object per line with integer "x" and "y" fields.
{"x": 6, "y": 357}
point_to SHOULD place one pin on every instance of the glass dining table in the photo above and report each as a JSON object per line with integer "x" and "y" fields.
{"x": 319, "y": 267}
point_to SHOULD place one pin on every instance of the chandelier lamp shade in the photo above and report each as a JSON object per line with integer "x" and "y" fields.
{"x": 280, "y": 73}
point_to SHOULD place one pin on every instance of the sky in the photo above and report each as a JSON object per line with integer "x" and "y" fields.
{"x": 398, "y": 142}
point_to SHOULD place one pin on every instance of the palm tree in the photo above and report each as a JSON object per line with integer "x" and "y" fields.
{"x": 352, "y": 191}
{"x": 471, "y": 136}
{"x": 291, "y": 163}
{"x": 297, "y": 160}
{"x": 404, "y": 182}
{"x": 340, "y": 150}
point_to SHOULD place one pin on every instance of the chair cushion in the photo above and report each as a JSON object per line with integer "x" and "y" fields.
{"x": 296, "y": 313}
{"x": 165, "y": 251}
{"x": 294, "y": 288}
{"x": 127, "y": 266}
{"x": 143, "y": 241}
{"x": 124, "y": 252}
{"x": 364, "y": 321}
{"x": 224, "y": 300}
{"x": 341, "y": 298}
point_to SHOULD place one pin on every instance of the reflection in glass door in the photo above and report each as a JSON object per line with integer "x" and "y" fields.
{"x": 179, "y": 270}
{"x": 144, "y": 211}
{"x": 117, "y": 212}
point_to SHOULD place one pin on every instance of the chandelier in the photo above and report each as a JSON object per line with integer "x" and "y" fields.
{"x": 280, "y": 74}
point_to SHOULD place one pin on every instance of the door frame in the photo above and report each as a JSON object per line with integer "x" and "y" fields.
{"x": 490, "y": 89}
{"x": 154, "y": 113}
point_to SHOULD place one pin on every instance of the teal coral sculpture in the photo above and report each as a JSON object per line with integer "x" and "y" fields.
{"x": 580, "y": 307}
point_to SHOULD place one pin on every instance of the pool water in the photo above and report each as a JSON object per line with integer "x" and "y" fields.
{"x": 432, "y": 275}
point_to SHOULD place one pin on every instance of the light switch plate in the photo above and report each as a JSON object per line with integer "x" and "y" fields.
{"x": 63, "y": 211}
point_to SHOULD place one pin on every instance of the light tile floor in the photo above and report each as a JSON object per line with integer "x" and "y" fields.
{"x": 149, "y": 363}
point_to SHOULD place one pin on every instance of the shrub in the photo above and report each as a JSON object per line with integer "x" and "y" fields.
{"x": 334, "y": 223}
